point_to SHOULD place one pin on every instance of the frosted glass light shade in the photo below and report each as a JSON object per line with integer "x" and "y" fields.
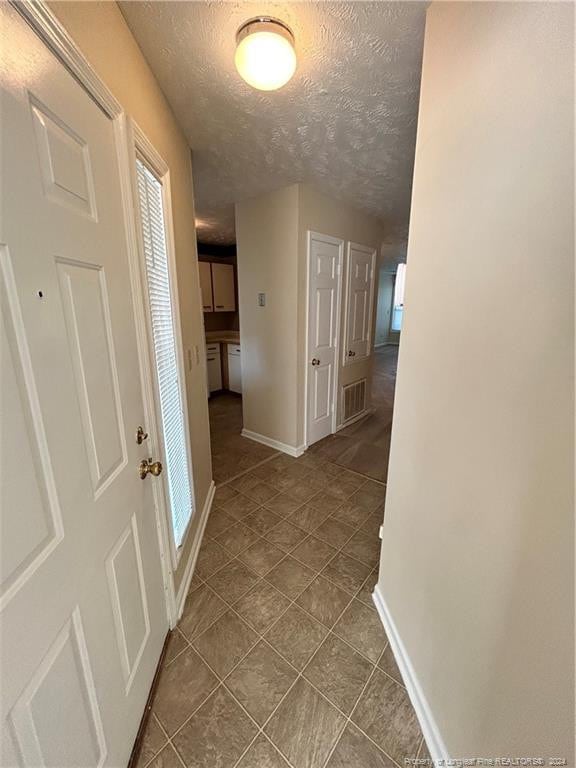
{"x": 265, "y": 55}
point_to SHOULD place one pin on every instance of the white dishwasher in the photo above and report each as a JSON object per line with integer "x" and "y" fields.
{"x": 234, "y": 368}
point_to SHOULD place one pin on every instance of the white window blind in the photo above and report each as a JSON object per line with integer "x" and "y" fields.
{"x": 164, "y": 343}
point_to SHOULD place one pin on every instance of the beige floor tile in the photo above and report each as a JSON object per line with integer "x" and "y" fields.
{"x": 232, "y": 581}
{"x": 325, "y": 501}
{"x": 261, "y": 520}
{"x": 283, "y": 504}
{"x": 153, "y": 741}
{"x": 334, "y": 532}
{"x": 195, "y": 583}
{"x": 239, "y": 506}
{"x": 302, "y": 491}
{"x": 350, "y": 513}
{"x": 324, "y": 601}
{"x": 385, "y": 713}
{"x": 290, "y": 577}
{"x": 262, "y": 606}
{"x": 387, "y": 663}
{"x": 285, "y": 535}
{"x": 262, "y": 754}
{"x": 364, "y": 548}
{"x": 361, "y": 627}
{"x": 201, "y": 609}
{"x": 305, "y": 727}
{"x": 166, "y": 759}
{"x": 367, "y": 589}
{"x": 218, "y": 521}
{"x": 210, "y": 558}
{"x": 237, "y": 538}
{"x": 223, "y": 493}
{"x": 217, "y": 735}
{"x": 314, "y": 553}
{"x": 339, "y": 672}
{"x": 261, "y": 557}
{"x": 183, "y": 686}
{"x": 342, "y": 489}
{"x": 372, "y": 524}
{"x": 346, "y": 572}
{"x": 307, "y": 517}
{"x": 354, "y": 750}
{"x": 224, "y": 643}
{"x": 296, "y": 636}
{"x": 366, "y": 500}
{"x": 260, "y": 681}
{"x": 176, "y": 644}
{"x": 261, "y": 492}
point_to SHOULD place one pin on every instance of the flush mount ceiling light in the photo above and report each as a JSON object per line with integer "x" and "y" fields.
{"x": 265, "y": 55}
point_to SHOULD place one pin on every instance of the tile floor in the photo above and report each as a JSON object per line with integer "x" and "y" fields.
{"x": 280, "y": 659}
{"x": 365, "y": 446}
{"x": 231, "y": 453}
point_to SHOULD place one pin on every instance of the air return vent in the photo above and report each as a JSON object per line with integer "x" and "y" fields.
{"x": 354, "y": 399}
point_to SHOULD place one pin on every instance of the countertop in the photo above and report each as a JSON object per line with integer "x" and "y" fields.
{"x": 222, "y": 337}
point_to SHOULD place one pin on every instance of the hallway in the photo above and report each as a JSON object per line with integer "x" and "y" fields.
{"x": 280, "y": 658}
{"x": 365, "y": 446}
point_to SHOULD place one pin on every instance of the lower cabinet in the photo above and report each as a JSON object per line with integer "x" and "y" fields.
{"x": 214, "y": 367}
{"x": 234, "y": 368}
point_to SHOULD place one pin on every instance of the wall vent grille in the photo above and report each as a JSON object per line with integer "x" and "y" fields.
{"x": 354, "y": 399}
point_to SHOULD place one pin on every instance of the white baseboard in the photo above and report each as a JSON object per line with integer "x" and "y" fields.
{"x": 432, "y": 736}
{"x": 354, "y": 419}
{"x": 382, "y": 344}
{"x": 284, "y": 447}
{"x": 191, "y": 564}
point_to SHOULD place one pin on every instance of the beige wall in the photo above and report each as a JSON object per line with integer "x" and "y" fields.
{"x": 272, "y": 258}
{"x": 477, "y": 565}
{"x": 99, "y": 29}
{"x": 267, "y": 243}
{"x": 323, "y": 214}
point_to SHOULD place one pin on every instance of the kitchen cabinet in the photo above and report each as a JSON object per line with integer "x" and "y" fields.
{"x": 223, "y": 288}
{"x": 206, "y": 285}
{"x": 234, "y": 368}
{"x": 213, "y": 367}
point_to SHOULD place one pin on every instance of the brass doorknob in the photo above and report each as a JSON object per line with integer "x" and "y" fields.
{"x": 315, "y": 361}
{"x": 147, "y": 466}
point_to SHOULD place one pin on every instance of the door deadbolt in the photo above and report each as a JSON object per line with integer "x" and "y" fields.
{"x": 149, "y": 467}
{"x": 141, "y": 435}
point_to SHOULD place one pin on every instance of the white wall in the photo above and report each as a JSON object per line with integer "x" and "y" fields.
{"x": 267, "y": 248}
{"x": 477, "y": 565}
{"x": 272, "y": 257}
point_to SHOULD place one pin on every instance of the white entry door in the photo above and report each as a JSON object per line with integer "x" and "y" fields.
{"x": 82, "y": 603}
{"x": 324, "y": 270}
{"x": 359, "y": 302}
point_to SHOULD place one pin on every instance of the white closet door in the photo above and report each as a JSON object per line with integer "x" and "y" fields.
{"x": 359, "y": 302}
{"x": 324, "y": 268}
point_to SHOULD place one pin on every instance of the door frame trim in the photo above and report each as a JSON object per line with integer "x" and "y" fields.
{"x": 311, "y": 235}
{"x": 141, "y": 145}
{"x": 54, "y": 35}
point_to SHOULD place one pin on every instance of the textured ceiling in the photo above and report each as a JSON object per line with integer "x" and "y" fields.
{"x": 345, "y": 122}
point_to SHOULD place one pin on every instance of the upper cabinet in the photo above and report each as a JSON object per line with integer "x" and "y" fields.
{"x": 223, "y": 287}
{"x": 206, "y": 286}
{"x": 217, "y": 286}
